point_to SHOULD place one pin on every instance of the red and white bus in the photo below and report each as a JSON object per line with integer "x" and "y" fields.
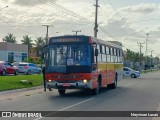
{"x": 82, "y": 62}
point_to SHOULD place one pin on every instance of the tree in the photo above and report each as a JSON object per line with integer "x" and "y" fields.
{"x": 27, "y": 41}
{"x": 10, "y": 38}
{"x": 39, "y": 43}
{"x": 133, "y": 56}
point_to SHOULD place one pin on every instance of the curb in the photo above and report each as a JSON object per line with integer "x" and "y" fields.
{"x": 20, "y": 90}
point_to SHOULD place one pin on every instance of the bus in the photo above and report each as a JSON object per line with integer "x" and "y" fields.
{"x": 82, "y": 62}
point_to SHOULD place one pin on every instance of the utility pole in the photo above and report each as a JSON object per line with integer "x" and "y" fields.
{"x": 147, "y": 43}
{"x": 47, "y": 32}
{"x": 151, "y": 59}
{"x": 76, "y": 31}
{"x": 158, "y": 60}
{"x": 140, "y": 51}
{"x": 151, "y": 52}
{"x": 96, "y": 24}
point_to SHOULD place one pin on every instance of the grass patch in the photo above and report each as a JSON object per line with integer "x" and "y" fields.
{"x": 13, "y": 82}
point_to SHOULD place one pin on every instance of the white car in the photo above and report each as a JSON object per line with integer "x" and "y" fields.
{"x": 29, "y": 68}
{"x": 128, "y": 72}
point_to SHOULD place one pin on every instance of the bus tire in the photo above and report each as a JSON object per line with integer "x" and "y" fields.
{"x": 114, "y": 85}
{"x": 61, "y": 91}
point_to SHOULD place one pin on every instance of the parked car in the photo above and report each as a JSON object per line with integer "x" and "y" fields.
{"x": 128, "y": 72}
{"x": 7, "y": 68}
{"x": 28, "y": 68}
{"x": 15, "y": 63}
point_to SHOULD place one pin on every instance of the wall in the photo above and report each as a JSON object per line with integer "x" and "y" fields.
{"x": 3, "y": 55}
{"x": 18, "y": 49}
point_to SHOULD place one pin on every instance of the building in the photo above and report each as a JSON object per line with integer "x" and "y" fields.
{"x": 13, "y": 52}
{"x": 33, "y": 53}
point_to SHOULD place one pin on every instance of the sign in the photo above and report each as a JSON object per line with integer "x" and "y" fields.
{"x": 65, "y": 40}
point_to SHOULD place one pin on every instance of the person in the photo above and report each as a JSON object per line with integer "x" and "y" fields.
{"x": 44, "y": 80}
{"x": 62, "y": 60}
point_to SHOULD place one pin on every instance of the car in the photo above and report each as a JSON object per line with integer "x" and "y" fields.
{"x": 128, "y": 72}
{"x": 15, "y": 63}
{"x": 7, "y": 68}
{"x": 28, "y": 68}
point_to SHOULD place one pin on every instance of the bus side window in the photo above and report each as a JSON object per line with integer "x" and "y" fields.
{"x": 103, "y": 54}
{"x": 108, "y": 51}
{"x": 94, "y": 52}
{"x": 99, "y": 53}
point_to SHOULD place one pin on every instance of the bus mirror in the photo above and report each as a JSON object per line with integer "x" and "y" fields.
{"x": 43, "y": 51}
{"x": 96, "y": 52}
{"x": 42, "y": 55}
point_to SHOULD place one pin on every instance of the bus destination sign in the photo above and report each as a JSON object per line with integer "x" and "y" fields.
{"x": 60, "y": 40}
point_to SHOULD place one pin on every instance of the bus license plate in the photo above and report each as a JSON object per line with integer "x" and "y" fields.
{"x": 66, "y": 84}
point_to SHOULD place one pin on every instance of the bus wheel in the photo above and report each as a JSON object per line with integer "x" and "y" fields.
{"x": 114, "y": 85}
{"x": 61, "y": 91}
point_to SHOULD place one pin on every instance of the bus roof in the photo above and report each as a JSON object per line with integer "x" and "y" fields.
{"x": 116, "y": 44}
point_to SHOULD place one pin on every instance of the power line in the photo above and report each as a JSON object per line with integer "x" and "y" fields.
{"x": 17, "y": 27}
{"x": 57, "y": 5}
{"x": 119, "y": 14}
{"x": 129, "y": 48}
{"x": 109, "y": 11}
{"x": 113, "y": 17}
{"x": 64, "y": 10}
{"x": 114, "y": 8}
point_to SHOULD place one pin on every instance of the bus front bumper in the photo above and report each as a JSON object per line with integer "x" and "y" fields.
{"x": 75, "y": 85}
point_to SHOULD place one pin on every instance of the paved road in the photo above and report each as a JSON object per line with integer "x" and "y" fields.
{"x": 141, "y": 94}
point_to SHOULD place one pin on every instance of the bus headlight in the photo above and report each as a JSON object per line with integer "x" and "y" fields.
{"x": 49, "y": 80}
{"x": 85, "y": 81}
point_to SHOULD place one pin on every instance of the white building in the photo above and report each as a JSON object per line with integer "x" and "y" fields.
{"x": 13, "y": 52}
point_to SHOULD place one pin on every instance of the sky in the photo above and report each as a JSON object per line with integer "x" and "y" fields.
{"x": 126, "y": 21}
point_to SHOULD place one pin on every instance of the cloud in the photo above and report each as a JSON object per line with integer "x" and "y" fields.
{"x": 120, "y": 28}
{"x": 141, "y": 8}
{"x": 29, "y": 15}
{"x": 32, "y": 2}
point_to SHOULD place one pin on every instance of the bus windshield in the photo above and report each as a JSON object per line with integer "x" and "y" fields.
{"x": 63, "y": 56}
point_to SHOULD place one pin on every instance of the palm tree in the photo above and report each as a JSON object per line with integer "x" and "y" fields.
{"x": 10, "y": 38}
{"x": 39, "y": 43}
{"x": 27, "y": 41}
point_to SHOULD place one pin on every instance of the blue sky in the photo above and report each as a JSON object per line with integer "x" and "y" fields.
{"x": 128, "y": 24}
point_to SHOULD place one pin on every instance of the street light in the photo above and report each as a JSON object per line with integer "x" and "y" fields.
{"x": 147, "y": 43}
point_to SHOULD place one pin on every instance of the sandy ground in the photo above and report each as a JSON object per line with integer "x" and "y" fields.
{"x": 9, "y": 95}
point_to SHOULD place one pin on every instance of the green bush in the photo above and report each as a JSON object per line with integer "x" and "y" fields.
{"x": 35, "y": 61}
